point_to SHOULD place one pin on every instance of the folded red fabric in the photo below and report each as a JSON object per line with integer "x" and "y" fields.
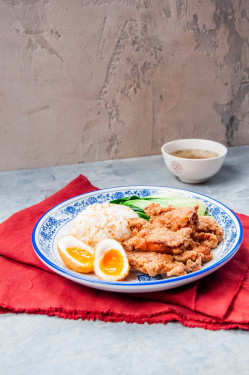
{"x": 220, "y": 300}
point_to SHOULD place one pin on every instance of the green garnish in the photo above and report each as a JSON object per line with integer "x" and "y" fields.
{"x": 138, "y": 204}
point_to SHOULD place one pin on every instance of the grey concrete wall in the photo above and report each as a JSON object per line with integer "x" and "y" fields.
{"x": 84, "y": 80}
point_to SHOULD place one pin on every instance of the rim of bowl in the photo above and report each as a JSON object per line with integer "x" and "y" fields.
{"x": 196, "y": 140}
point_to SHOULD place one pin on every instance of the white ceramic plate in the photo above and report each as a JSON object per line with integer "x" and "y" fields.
{"x": 55, "y": 222}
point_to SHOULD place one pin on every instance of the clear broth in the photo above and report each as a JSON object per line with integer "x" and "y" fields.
{"x": 194, "y": 153}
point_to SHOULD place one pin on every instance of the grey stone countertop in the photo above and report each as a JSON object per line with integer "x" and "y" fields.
{"x": 47, "y": 345}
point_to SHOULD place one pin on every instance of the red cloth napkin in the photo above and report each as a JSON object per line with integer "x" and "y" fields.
{"x": 220, "y": 300}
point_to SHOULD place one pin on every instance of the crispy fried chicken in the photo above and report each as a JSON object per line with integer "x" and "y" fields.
{"x": 174, "y": 241}
{"x": 161, "y": 239}
{"x": 208, "y": 224}
{"x": 172, "y": 218}
{"x": 154, "y": 263}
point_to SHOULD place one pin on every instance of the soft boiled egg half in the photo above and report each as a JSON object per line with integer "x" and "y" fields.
{"x": 76, "y": 254}
{"x": 110, "y": 262}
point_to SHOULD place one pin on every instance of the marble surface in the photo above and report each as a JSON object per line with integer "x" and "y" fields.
{"x": 41, "y": 344}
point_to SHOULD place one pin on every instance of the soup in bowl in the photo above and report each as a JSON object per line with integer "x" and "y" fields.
{"x": 193, "y": 160}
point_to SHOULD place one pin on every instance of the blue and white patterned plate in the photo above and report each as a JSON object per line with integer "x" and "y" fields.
{"x": 55, "y": 222}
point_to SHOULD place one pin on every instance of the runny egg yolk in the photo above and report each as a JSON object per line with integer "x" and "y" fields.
{"x": 81, "y": 255}
{"x": 112, "y": 262}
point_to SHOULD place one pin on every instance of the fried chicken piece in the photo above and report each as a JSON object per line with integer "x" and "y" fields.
{"x": 205, "y": 250}
{"x": 161, "y": 239}
{"x": 137, "y": 223}
{"x": 188, "y": 254}
{"x": 155, "y": 209}
{"x": 174, "y": 241}
{"x": 193, "y": 266}
{"x": 201, "y": 251}
{"x": 173, "y": 218}
{"x": 208, "y": 239}
{"x": 208, "y": 224}
{"x": 154, "y": 263}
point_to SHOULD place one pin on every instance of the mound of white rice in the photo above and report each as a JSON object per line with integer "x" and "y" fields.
{"x": 102, "y": 221}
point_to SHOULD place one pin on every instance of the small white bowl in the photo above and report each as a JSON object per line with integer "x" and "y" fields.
{"x": 193, "y": 171}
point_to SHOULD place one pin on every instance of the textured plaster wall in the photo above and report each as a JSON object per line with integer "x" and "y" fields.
{"x": 85, "y": 80}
